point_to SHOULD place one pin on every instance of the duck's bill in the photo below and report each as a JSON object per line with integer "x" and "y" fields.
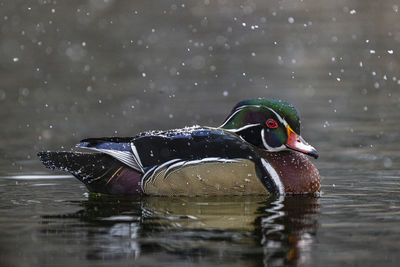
{"x": 297, "y": 143}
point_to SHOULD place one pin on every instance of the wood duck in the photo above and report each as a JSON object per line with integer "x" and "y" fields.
{"x": 257, "y": 150}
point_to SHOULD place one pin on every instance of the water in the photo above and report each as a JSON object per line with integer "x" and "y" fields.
{"x": 76, "y": 70}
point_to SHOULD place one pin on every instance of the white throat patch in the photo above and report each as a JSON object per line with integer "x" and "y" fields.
{"x": 274, "y": 176}
{"x": 269, "y": 148}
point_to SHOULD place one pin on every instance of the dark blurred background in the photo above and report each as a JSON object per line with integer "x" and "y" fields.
{"x": 76, "y": 69}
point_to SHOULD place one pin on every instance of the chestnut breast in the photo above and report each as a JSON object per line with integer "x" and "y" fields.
{"x": 297, "y": 173}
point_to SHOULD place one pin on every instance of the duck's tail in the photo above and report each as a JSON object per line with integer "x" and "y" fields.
{"x": 100, "y": 172}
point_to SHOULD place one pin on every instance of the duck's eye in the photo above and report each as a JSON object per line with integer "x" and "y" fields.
{"x": 272, "y": 124}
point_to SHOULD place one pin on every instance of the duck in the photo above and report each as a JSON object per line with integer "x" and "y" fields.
{"x": 257, "y": 150}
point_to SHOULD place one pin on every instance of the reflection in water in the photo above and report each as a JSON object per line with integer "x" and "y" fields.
{"x": 245, "y": 230}
{"x": 289, "y": 230}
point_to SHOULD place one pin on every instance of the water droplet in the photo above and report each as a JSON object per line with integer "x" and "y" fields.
{"x": 24, "y": 91}
{"x": 198, "y": 62}
{"x": 387, "y": 162}
{"x": 2, "y": 95}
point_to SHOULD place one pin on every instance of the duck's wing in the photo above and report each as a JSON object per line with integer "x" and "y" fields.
{"x": 118, "y": 148}
{"x": 154, "y": 148}
{"x": 193, "y": 144}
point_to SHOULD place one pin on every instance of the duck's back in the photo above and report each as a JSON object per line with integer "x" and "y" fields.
{"x": 189, "y": 161}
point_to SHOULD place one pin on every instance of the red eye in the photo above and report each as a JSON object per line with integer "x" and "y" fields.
{"x": 272, "y": 124}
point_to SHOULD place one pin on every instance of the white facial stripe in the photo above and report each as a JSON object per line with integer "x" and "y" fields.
{"x": 234, "y": 113}
{"x": 263, "y": 140}
{"x": 267, "y": 147}
{"x": 245, "y": 106}
{"x": 274, "y": 176}
{"x": 279, "y": 117}
{"x": 230, "y": 117}
{"x": 242, "y": 128}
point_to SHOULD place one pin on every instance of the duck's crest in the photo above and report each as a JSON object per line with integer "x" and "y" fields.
{"x": 245, "y": 111}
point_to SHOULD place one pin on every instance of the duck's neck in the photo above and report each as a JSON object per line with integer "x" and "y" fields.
{"x": 295, "y": 170}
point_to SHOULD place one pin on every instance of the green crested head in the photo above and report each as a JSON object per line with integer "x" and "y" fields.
{"x": 255, "y": 110}
{"x": 270, "y": 124}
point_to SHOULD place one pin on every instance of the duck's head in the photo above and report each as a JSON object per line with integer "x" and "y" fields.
{"x": 269, "y": 124}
